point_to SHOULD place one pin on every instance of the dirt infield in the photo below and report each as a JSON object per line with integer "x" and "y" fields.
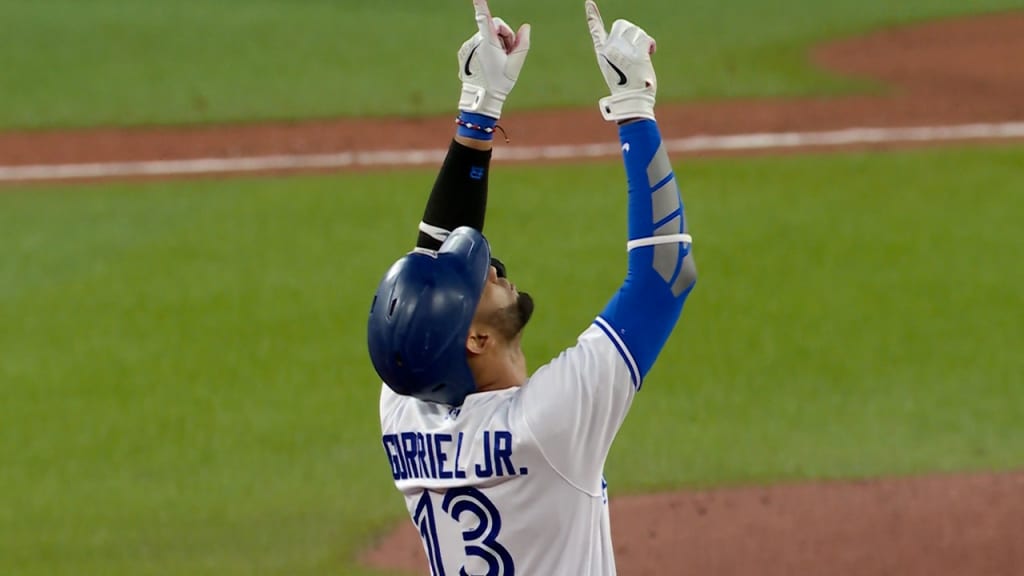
{"x": 940, "y": 74}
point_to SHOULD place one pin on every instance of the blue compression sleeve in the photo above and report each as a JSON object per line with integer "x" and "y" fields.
{"x": 661, "y": 273}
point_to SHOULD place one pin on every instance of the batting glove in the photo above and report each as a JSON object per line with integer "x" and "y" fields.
{"x": 624, "y": 56}
{"x": 490, "y": 62}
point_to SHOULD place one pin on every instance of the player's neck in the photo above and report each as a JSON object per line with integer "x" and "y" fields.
{"x": 506, "y": 369}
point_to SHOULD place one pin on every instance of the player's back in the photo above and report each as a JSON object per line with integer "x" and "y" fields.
{"x": 511, "y": 482}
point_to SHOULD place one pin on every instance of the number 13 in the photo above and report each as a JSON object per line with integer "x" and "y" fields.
{"x": 481, "y": 541}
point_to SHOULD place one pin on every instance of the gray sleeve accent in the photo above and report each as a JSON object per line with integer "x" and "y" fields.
{"x": 673, "y": 226}
{"x": 666, "y": 256}
{"x": 687, "y": 276}
{"x": 660, "y": 166}
{"x": 665, "y": 201}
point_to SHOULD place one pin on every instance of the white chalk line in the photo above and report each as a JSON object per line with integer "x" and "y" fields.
{"x": 420, "y": 157}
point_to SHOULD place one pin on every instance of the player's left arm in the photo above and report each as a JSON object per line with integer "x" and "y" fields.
{"x": 661, "y": 270}
{"x": 489, "y": 65}
{"x": 574, "y": 405}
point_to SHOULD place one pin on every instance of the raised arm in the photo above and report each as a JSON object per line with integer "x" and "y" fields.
{"x": 489, "y": 65}
{"x": 661, "y": 270}
{"x": 575, "y": 404}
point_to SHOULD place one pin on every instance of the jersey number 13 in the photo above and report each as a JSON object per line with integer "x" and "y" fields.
{"x": 481, "y": 541}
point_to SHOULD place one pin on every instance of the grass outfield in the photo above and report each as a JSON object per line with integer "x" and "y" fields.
{"x": 124, "y": 62}
{"x": 186, "y": 387}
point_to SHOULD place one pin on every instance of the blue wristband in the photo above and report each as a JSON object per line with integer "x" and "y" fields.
{"x": 476, "y": 126}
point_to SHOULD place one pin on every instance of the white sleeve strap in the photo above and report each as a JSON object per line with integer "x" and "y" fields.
{"x": 435, "y": 232}
{"x": 655, "y": 240}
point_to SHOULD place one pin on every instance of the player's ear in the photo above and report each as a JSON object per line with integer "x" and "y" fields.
{"x": 477, "y": 341}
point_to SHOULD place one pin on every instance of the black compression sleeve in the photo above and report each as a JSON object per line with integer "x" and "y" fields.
{"x": 459, "y": 197}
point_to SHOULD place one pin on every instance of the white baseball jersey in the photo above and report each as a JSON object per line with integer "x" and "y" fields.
{"x": 511, "y": 482}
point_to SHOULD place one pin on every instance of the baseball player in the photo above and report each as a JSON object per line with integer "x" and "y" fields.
{"x": 502, "y": 471}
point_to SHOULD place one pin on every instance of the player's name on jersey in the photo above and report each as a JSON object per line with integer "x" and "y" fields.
{"x": 418, "y": 455}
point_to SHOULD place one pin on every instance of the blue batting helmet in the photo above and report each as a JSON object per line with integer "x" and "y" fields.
{"x": 420, "y": 318}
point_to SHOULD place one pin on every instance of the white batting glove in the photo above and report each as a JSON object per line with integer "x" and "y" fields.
{"x": 490, "y": 62}
{"x": 624, "y": 56}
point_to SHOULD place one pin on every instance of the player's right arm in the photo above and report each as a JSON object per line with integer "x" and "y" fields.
{"x": 489, "y": 66}
{"x": 576, "y": 404}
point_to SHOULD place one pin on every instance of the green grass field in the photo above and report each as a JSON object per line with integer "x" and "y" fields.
{"x": 186, "y": 388}
{"x": 119, "y": 62}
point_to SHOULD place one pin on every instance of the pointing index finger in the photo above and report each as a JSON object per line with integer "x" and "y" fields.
{"x": 596, "y": 24}
{"x": 485, "y": 22}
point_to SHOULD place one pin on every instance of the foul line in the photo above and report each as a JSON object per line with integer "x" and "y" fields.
{"x": 412, "y": 157}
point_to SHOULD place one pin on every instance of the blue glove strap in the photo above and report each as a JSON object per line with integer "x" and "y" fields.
{"x": 476, "y": 126}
